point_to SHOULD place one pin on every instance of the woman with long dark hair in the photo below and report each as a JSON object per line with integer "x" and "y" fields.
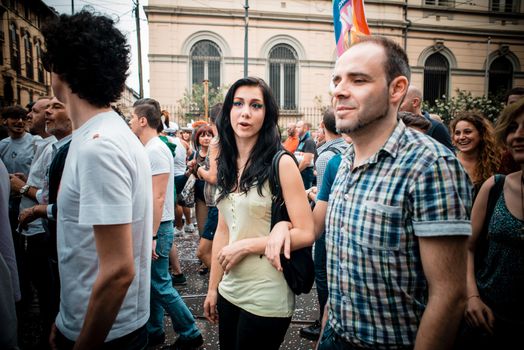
{"x": 249, "y": 297}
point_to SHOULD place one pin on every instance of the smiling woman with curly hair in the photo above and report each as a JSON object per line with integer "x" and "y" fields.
{"x": 477, "y": 150}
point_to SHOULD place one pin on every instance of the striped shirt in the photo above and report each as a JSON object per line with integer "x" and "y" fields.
{"x": 412, "y": 187}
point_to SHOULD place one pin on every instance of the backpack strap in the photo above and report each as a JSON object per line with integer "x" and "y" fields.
{"x": 333, "y": 149}
{"x": 274, "y": 177}
{"x": 278, "y": 209}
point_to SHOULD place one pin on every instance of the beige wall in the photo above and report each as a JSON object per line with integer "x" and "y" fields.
{"x": 307, "y": 26}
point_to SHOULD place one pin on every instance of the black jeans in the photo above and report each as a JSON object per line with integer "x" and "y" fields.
{"x": 136, "y": 340}
{"x": 239, "y": 329}
{"x": 36, "y": 267}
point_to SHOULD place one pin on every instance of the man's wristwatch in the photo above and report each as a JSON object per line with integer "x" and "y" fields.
{"x": 24, "y": 189}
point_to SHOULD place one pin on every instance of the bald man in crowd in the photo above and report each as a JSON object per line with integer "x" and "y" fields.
{"x": 413, "y": 103}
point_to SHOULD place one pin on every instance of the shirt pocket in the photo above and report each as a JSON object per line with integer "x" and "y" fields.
{"x": 381, "y": 226}
{"x": 258, "y": 208}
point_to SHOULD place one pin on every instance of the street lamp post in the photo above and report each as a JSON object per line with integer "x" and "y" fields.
{"x": 246, "y": 25}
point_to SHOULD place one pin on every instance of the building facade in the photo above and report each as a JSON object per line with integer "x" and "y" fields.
{"x": 23, "y": 78}
{"x": 475, "y": 45}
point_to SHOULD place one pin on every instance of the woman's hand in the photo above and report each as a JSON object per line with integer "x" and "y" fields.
{"x": 232, "y": 254}
{"x": 210, "y": 306}
{"x": 279, "y": 240}
{"x": 479, "y": 315}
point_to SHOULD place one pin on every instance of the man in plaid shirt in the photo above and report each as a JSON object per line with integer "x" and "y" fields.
{"x": 397, "y": 219}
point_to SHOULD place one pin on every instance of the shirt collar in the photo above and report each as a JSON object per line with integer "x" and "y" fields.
{"x": 58, "y": 144}
{"x": 391, "y": 146}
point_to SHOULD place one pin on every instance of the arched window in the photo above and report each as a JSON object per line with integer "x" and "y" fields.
{"x": 205, "y": 63}
{"x": 500, "y": 76}
{"x": 436, "y": 76}
{"x": 283, "y": 75}
{"x": 28, "y": 47}
{"x": 14, "y": 47}
{"x": 39, "y": 65}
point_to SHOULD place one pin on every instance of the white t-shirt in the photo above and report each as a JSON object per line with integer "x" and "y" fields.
{"x": 161, "y": 161}
{"x": 106, "y": 181}
{"x": 180, "y": 156}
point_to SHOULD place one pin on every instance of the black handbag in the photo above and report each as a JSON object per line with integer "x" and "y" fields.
{"x": 299, "y": 270}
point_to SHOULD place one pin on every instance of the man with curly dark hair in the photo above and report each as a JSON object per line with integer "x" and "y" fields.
{"x": 104, "y": 224}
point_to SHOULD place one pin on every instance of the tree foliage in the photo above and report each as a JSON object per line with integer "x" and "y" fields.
{"x": 448, "y": 109}
{"x": 193, "y": 103}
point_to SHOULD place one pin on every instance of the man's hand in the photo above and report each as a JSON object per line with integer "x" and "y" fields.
{"x": 29, "y": 215}
{"x": 479, "y": 315}
{"x": 21, "y": 176}
{"x": 16, "y": 182}
{"x": 154, "y": 255}
{"x": 52, "y": 337}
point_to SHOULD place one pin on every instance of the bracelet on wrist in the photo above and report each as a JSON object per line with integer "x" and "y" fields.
{"x": 473, "y": 296}
{"x": 155, "y": 238}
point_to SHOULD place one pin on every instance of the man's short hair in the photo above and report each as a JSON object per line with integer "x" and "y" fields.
{"x": 149, "y": 101}
{"x": 414, "y": 121}
{"x": 515, "y": 91}
{"x": 89, "y": 53}
{"x": 150, "y": 113}
{"x": 328, "y": 118}
{"x": 14, "y": 112}
{"x": 396, "y": 59}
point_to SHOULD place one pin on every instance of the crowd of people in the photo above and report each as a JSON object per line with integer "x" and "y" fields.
{"x": 417, "y": 229}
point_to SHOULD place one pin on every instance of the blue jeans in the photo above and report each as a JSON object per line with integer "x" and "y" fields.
{"x": 163, "y": 295}
{"x": 321, "y": 272}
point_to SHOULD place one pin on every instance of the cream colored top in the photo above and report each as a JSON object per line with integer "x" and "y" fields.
{"x": 253, "y": 285}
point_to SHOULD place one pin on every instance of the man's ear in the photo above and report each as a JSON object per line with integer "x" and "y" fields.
{"x": 416, "y": 102}
{"x": 142, "y": 121}
{"x": 397, "y": 89}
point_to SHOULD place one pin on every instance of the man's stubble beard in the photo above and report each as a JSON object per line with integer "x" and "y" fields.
{"x": 363, "y": 125}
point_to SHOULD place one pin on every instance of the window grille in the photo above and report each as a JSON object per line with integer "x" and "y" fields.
{"x": 14, "y": 46}
{"x": 39, "y": 65}
{"x": 283, "y": 75}
{"x": 440, "y": 3}
{"x": 500, "y": 76}
{"x": 205, "y": 63}
{"x": 504, "y": 5}
{"x": 28, "y": 46}
{"x": 436, "y": 75}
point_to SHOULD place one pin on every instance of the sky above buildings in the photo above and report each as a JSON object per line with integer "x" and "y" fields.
{"x": 122, "y": 12}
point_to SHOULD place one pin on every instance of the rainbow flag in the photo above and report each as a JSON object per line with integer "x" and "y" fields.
{"x": 349, "y": 19}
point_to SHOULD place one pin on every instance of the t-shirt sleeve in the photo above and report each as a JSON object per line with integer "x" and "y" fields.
{"x": 441, "y": 200}
{"x": 158, "y": 160}
{"x": 105, "y": 184}
{"x": 329, "y": 178}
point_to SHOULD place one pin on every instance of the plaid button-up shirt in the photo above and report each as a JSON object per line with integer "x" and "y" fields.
{"x": 412, "y": 187}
